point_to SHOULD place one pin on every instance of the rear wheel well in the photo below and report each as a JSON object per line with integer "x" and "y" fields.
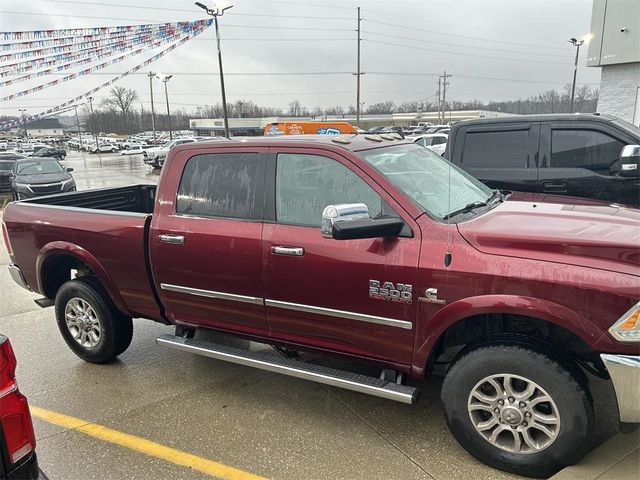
{"x": 58, "y": 269}
{"x": 480, "y": 329}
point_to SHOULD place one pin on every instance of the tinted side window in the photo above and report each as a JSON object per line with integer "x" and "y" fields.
{"x": 584, "y": 149}
{"x": 506, "y": 149}
{"x": 306, "y": 184}
{"x": 439, "y": 140}
{"x": 219, "y": 185}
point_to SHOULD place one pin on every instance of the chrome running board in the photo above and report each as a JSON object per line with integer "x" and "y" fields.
{"x": 307, "y": 371}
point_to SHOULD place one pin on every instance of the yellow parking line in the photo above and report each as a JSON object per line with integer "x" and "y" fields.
{"x": 142, "y": 445}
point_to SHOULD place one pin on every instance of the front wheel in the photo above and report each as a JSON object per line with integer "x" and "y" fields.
{"x": 90, "y": 324}
{"x": 518, "y": 409}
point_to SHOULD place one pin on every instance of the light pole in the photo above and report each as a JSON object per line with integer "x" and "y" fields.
{"x": 75, "y": 107}
{"x": 24, "y": 124}
{"x": 93, "y": 130}
{"x": 153, "y": 112}
{"x": 576, "y": 43}
{"x": 165, "y": 79}
{"x": 216, "y": 12}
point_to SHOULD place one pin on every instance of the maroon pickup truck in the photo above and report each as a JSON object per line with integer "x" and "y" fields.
{"x": 366, "y": 247}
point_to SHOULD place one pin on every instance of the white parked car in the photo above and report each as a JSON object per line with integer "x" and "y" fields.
{"x": 103, "y": 148}
{"x": 132, "y": 150}
{"x": 436, "y": 142}
{"x": 155, "y": 156}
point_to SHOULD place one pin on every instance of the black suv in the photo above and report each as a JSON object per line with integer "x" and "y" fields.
{"x": 578, "y": 155}
{"x": 7, "y": 161}
{"x": 52, "y": 152}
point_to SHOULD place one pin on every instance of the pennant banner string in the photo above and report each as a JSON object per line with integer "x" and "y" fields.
{"x": 72, "y": 40}
{"x": 93, "y": 58}
{"x": 59, "y": 108}
{"x": 48, "y": 60}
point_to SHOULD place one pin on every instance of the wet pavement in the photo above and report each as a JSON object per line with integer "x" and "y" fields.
{"x": 260, "y": 422}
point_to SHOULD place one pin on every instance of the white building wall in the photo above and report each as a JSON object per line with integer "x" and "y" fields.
{"x": 619, "y": 90}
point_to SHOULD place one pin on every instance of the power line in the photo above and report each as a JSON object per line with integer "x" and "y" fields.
{"x": 194, "y": 10}
{"x": 448, "y": 34}
{"x": 432, "y": 42}
{"x": 469, "y": 27}
{"x": 475, "y": 55}
{"x": 226, "y": 25}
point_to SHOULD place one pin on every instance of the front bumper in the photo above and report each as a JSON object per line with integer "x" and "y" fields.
{"x": 624, "y": 371}
{"x": 17, "y": 276}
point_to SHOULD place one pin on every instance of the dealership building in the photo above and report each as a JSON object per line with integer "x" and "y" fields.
{"x": 615, "y": 47}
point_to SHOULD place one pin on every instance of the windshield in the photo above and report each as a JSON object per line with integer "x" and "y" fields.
{"x": 168, "y": 144}
{"x": 38, "y": 168}
{"x": 432, "y": 182}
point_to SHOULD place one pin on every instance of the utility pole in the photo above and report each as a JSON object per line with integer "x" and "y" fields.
{"x": 444, "y": 95}
{"x": 24, "y": 124}
{"x": 358, "y": 73}
{"x": 577, "y": 44}
{"x": 439, "y": 98}
{"x": 153, "y": 112}
{"x": 93, "y": 130}
{"x": 78, "y": 126}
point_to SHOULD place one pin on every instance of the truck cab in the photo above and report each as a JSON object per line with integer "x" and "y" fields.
{"x": 576, "y": 155}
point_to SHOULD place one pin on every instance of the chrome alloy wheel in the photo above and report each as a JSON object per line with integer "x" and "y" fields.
{"x": 83, "y": 322}
{"x": 514, "y": 413}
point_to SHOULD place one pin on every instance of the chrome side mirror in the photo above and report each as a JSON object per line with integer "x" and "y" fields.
{"x": 630, "y": 161}
{"x": 343, "y": 212}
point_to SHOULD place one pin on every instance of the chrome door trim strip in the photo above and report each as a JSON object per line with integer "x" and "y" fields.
{"x": 359, "y": 317}
{"x": 212, "y": 294}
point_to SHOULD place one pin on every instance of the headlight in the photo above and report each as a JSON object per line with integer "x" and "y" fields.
{"x": 67, "y": 182}
{"x": 627, "y": 329}
{"x": 20, "y": 185}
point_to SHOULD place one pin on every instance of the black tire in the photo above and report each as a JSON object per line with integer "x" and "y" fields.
{"x": 562, "y": 381}
{"x": 116, "y": 328}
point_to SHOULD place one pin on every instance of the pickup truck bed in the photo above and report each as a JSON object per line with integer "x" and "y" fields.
{"x": 108, "y": 227}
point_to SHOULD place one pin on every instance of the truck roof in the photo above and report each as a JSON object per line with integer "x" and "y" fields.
{"x": 352, "y": 142}
{"x": 551, "y": 117}
{"x": 542, "y": 117}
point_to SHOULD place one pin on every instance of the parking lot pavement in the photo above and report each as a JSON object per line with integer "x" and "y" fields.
{"x": 255, "y": 421}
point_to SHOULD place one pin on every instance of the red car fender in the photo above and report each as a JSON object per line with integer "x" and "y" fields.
{"x": 432, "y": 329}
{"x": 84, "y": 256}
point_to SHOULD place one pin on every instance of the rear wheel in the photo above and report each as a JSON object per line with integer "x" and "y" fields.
{"x": 90, "y": 324}
{"x": 518, "y": 409}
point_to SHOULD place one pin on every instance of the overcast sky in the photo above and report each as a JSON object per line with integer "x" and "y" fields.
{"x": 495, "y": 49}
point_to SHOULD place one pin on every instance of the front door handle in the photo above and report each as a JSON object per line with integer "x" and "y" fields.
{"x": 293, "y": 251}
{"x": 174, "y": 239}
{"x": 554, "y": 187}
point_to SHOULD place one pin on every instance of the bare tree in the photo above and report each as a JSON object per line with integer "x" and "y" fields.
{"x": 121, "y": 101}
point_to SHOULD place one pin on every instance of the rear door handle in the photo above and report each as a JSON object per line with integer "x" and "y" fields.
{"x": 293, "y": 251}
{"x": 168, "y": 238}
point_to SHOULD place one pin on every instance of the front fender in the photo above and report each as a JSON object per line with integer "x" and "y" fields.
{"x": 70, "y": 249}
{"x": 432, "y": 329}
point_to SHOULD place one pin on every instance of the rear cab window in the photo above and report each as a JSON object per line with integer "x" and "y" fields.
{"x": 223, "y": 185}
{"x": 499, "y": 148}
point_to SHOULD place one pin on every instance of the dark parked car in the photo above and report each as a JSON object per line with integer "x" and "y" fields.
{"x": 52, "y": 152}
{"x": 7, "y": 160}
{"x": 17, "y": 440}
{"x": 33, "y": 177}
{"x": 577, "y": 155}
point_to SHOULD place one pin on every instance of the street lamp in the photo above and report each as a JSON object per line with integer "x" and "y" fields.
{"x": 216, "y": 12}
{"x": 576, "y": 43}
{"x": 91, "y": 124}
{"x": 22, "y": 112}
{"x": 165, "y": 79}
{"x": 153, "y": 112}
